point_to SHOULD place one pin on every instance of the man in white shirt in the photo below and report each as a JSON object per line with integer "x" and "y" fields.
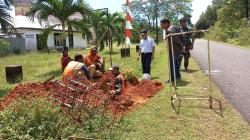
{"x": 147, "y": 50}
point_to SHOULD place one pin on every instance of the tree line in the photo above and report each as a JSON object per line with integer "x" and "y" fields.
{"x": 228, "y": 21}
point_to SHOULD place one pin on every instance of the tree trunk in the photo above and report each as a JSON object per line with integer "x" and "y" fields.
{"x": 63, "y": 35}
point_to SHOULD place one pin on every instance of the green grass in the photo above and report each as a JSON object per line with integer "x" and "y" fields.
{"x": 156, "y": 119}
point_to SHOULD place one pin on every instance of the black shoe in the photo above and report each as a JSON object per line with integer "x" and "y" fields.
{"x": 186, "y": 70}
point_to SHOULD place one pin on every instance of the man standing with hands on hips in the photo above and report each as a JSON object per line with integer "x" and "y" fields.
{"x": 147, "y": 50}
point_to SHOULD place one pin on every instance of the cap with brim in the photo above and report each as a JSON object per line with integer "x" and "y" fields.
{"x": 143, "y": 32}
{"x": 113, "y": 67}
{"x": 93, "y": 48}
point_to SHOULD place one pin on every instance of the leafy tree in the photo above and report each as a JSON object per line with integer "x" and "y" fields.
{"x": 99, "y": 22}
{"x": 145, "y": 12}
{"x": 5, "y": 17}
{"x": 100, "y": 28}
{"x": 63, "y": 11}
{"x": 209, "y": 18}
{"x": 231, "y": 25}
{"x": 117, "y": 27}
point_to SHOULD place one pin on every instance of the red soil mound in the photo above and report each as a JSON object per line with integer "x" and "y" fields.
{"x": 27, "y": 91}
{"x": 135, "y": 95}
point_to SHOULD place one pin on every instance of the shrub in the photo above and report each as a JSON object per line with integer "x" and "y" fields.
{"x": 37, "y": 119}
{"x": 244, "y": 38}
{"x": 16, "y": 51}
{"x": 41, "y": 119}
{"x": 4, "y": 47}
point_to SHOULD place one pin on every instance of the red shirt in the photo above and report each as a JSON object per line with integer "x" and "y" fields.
{"x": 65, "y": 61}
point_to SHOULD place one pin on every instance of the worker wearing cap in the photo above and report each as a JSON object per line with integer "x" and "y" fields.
{"x": 76, "y": 69}
{"x": 187, "y": 42}
{"x": 94, "y": 63}
{"x": 173, "y": 57}
{"x": 147, "y": 50}
{"x": 65, "y": 58}
{"x": 119, "y": 85}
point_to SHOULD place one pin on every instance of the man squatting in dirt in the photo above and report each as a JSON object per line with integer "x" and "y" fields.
{"x": 147, "y": 51}
{"x": 94, "y": 63}
{"x": 119, "y": 83}
{"x": 187, "y": 42}
{"x": 76, "y": 69}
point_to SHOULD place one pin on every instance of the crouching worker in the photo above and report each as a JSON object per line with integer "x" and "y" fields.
{"x": 94, "y": 63}
{"x": 119, "y": 84}
{"x": 76, "y": 69}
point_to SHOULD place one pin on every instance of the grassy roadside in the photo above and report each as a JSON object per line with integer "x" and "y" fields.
{"x": 156, "y": 119}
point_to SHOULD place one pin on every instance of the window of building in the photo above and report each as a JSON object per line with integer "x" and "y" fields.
{"x": 58, "y": 39}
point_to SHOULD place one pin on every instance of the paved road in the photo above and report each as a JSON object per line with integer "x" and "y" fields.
{"x": 231, "y": 67}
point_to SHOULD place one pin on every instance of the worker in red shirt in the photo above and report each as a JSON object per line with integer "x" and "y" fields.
{"x": 119, "y": 83}
{"x": 65, "y": 59}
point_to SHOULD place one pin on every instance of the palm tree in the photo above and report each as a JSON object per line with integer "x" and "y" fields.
{"x": 62, "y": 10}
{"x": 100, "y": 28}
{"x": 117, "y": 27}
{"x": 99, "y": 22}
{"x": 5, "y": 17}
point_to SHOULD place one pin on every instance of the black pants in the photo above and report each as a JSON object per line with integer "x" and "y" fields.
{"x": 146, "y": 62}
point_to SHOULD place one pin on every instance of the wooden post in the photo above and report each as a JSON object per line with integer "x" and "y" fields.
{"x": 14, "y": 73}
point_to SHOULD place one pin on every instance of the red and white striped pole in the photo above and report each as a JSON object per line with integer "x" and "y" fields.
{"x": 128, "y": 32}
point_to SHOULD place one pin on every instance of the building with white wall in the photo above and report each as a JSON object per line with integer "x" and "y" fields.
{"x": 32, "y": 30}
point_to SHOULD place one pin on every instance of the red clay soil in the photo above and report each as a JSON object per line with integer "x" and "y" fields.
{"x": 27, "y": 91}
{"x": 134, "y": 97}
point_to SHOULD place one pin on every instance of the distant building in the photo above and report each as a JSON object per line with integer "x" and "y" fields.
{"x": 31, "y": 31}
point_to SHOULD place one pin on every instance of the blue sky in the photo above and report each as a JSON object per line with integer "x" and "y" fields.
{"x": 199, "y": 6}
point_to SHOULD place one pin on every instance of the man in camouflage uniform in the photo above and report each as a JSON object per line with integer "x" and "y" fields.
{"x": 187, "y": 42}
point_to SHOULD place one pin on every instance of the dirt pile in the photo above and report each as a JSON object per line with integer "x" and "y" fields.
{"x": 137, "y": 93}
{"x": 145, "y": 89}
{"x": 27, "y": 91}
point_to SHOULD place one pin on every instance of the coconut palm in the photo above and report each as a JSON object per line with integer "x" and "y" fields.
{"x": 99, "y": 22}
{"x": 63, "y": 11}
{"x": 100, "y": 28}
{"x": 117, "y": 27}
{"x": 5, "y": 17}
